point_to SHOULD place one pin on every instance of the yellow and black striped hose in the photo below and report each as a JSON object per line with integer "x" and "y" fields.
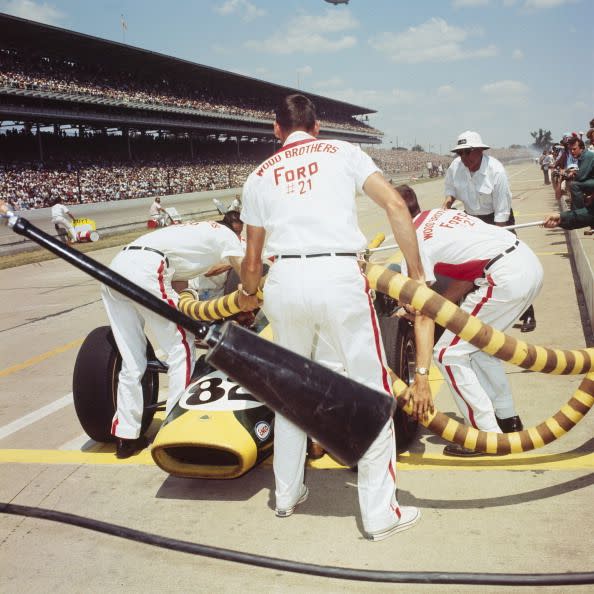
{"x": 504, "y": 347}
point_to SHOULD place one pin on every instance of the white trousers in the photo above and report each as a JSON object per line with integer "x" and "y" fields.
{"x": 328, "y": 296}
{"x": 65, "y": 224}
{"x": 148, "y": 270}
{"x": 477, "y": 380}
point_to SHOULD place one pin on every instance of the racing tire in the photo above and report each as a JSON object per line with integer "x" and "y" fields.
{"x": 95, "y": 385}
{"x": 398, "y": 337}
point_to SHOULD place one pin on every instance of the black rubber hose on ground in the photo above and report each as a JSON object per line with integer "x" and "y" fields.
{"x": 344, "y": 573}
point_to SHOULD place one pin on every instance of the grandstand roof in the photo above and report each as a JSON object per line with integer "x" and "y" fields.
{"x": 22, "y": 34}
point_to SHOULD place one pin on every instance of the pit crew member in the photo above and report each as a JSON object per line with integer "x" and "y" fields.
{"x": 499, "y": 275}
{"x": 301, "y": 202}
{"x": 160, "y": 262}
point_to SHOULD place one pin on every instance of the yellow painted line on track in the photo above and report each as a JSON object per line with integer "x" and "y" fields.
{"x": 40, "y": 358}
{"x": 564, "y": 461}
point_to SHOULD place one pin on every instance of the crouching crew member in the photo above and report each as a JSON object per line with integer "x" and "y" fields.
{"x": 160, "y": 262}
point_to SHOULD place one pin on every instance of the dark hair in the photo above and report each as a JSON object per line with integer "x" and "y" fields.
{"x": 410, "y": 199}
{"x": 231, "y": 217}
{"x": 574, "y": 139}
{"x": 296, "y": 112}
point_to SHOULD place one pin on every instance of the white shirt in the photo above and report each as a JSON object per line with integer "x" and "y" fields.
{"x": 155, "y": 209}
{"x": 483, "y": 192}
{"x": 304, "y": 196}
{"x": 59, "y": 211}
{"x": 457, "y": 245}
{"x": 193, "y": 248}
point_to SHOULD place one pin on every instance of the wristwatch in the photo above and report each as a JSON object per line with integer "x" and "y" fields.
{"x": 422, "y": 370}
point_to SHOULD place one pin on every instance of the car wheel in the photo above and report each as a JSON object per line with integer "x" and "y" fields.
{"x": 398, "y": 338}
{"x": 95, "y": 383}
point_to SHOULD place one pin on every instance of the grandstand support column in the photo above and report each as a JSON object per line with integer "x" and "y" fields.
{"x": 126, "y": 134}
{"x": 39, "y": 144}
{"x": 191, "y": 139}
{"x": 78, "y": 184}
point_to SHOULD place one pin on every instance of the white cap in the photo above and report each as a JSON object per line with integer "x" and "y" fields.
{"x": 469, "y": 139}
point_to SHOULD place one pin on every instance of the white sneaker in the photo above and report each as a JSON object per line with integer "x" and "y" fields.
{"x": 285, "y": 513}
{"x": 409, "y": 516}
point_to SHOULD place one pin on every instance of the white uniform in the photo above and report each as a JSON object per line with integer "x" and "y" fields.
{"x": 304, "y": 196}
{"x": 484, "y": 191}
{"x": 61, "y": 219}
{"x": 463, "y": 247}
{"x": 153, "y": 261}
{"x": 157, "y": 213}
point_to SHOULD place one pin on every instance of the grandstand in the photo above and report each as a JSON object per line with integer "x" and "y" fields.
{"x": 75, "y": 106}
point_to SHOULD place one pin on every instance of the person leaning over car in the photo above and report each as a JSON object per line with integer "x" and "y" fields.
{"x": 161, "y": 262}
{"x": 301, "y": 203}
{"x": 496, "y": 276}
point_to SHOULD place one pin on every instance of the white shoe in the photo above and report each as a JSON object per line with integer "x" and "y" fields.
{"x": 409, "y": 516}
{"x": 285, "y": 513}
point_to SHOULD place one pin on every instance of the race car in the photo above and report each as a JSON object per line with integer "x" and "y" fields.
{"x": 217, "y": 429}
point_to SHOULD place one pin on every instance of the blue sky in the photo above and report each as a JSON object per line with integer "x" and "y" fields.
{"x": 431, "y": 68}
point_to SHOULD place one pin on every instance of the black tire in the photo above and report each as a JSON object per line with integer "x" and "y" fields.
{"x": 95, "y": 383}
{"x": 401, "y": 354}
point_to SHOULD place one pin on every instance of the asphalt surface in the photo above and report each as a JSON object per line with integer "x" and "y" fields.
{"x": 524, "y": 513}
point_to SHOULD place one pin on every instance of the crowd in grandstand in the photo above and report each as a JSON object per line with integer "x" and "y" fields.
{"x": 67, "y": 77}
{"x": 35, "y": 185}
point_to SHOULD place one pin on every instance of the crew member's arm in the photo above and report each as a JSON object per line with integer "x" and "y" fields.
{"x": 384, "y": 195}
{"x": 457, "y": 290}
{"x": 570, "y": 219}
{"x": 251, "y": 267}
{"x": 448, "y": 202}
{"x": 502, "y": 199}
{"x": 220, "y": 269}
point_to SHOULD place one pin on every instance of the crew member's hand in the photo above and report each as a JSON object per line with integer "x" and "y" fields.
{"x": 419, "y": 393}
{"x": 552, "y": 220}
{"x": 247, "y": 302}
{"x": 404, "y": 313}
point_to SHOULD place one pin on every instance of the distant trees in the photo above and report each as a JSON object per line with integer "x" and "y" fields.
{"x": 418, "y": 148}
{"x": 543, "y": 139}
{"x": 399, "y": 148}
{"x": 516, "y": 146}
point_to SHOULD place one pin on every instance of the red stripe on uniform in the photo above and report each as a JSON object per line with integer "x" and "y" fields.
{"x": 455, "y": 386}
{"x": 377, "y": 338}
{"x": 421, "y": 218}
{"x": 182, "y": 332}
{"x": 294, "y": 144}
{"x": 114, "y": 426}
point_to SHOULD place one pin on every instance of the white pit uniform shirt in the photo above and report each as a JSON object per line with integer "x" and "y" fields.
{"x": 459, "y": 246}
{"x": 59, "y": 212}
{"x": 193, "y": 248}
{"x": 483, "y": 192}
{"x": 304, "y": 212}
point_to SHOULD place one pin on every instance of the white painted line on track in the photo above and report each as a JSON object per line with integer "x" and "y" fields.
{"x": 35, "y": 416}
{"x": 82, "y": 443}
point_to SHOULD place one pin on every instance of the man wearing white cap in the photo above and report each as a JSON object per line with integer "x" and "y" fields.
{"x": 480, "y": 183}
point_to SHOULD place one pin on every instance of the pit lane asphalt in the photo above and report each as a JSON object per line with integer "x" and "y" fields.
{"x": 527, "y": 513}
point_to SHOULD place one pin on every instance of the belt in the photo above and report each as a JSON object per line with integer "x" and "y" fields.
{"x": 499, "y": 256}
{"x": 148, "y": 249}
{"x": 285, "y": 256}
